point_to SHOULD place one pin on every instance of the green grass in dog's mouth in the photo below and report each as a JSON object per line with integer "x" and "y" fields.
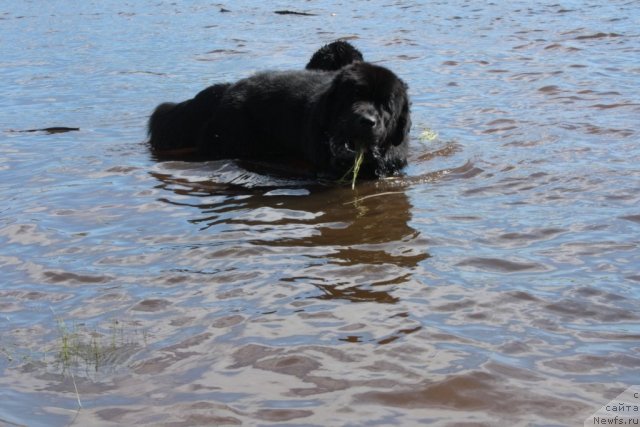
{"x": 357, "y": 162}
{"x": 354, "y": 170}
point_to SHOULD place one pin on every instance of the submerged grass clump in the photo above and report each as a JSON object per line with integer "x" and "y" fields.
{"x": 78, "y": 346}
{"x": 78, "y": 350}
{"x": 355, "y": 169}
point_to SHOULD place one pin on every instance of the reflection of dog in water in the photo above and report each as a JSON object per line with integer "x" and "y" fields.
{"x": 370, "y": 235}
{"x": 320, "y": 118}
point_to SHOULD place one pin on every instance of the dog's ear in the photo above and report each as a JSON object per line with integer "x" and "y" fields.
{"x": 334, "y": 99}
{"x": 402, "y": 122}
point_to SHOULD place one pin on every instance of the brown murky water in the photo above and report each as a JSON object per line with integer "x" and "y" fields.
{"x": 497, "y": 283}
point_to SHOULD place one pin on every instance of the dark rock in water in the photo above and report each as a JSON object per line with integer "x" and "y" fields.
{"x": 293, "y": 12}
{"x": 53, "y": 129}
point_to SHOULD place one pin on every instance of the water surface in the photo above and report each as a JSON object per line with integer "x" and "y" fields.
{"x": 496, "y": 283}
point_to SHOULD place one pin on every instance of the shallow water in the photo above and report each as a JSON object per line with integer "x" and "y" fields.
{"x": 496, "y": 283}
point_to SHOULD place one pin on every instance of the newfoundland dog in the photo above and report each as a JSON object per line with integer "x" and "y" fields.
{"x": 319, "y": 119}
{"x": 174, "y": 128}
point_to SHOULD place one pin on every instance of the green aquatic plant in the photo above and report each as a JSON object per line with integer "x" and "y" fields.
{"x": 428, "y": 135}
{"x": 79, "y": 346}
{"x": 355, "y": 169}
{"x": 68, "y": 344}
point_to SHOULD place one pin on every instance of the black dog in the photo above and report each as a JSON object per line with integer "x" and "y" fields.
{"x": 333, "y": 56}
{"x": 321, "y": 118}
{"x": 174, "y": 128}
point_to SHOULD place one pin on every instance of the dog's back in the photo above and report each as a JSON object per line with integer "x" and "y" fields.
{"x": 176, "y": 129}
{"x": 265, "y": 115}
{"x": 177, "y": 126}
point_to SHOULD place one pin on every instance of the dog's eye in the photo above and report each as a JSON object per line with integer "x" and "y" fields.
{"x": 361, "y": 91}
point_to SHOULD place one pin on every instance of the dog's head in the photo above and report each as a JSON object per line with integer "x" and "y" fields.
{"x": 333, "y": 56}
{"x": 368, "y": 110}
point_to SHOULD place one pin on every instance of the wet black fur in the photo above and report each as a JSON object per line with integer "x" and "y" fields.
{"x": 177, "y": 126}
{"x": 316, "y": 118}
{"x": 334, "y": 56}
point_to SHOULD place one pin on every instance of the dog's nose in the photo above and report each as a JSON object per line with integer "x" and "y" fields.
{"x": 367, "y": 121}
